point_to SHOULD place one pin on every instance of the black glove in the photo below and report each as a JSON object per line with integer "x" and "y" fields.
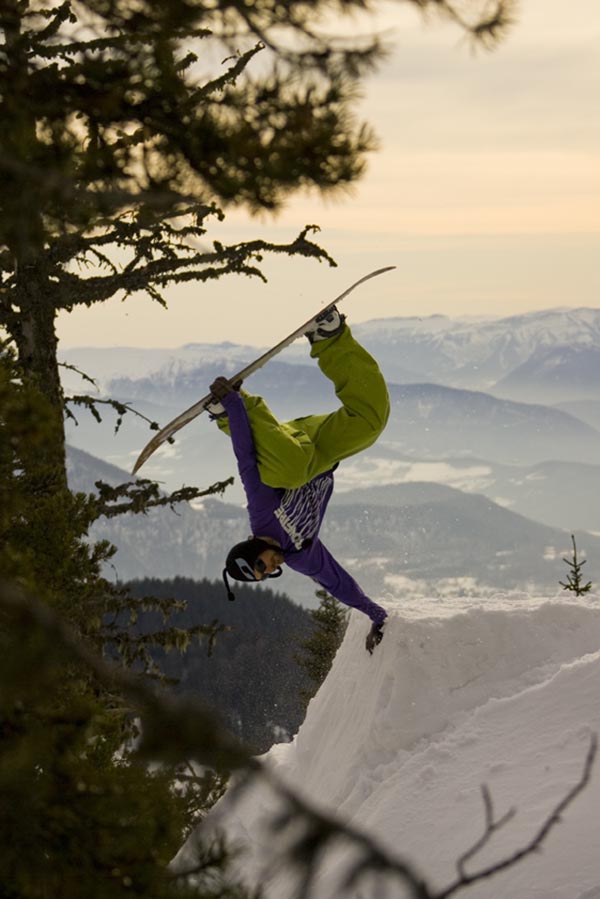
{"x": 222, "y": 386}
{"x": 374, "y": 637}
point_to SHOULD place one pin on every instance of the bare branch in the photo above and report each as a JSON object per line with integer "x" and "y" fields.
{"x": 491, "y": 826}
{"x": 533, "y": 846}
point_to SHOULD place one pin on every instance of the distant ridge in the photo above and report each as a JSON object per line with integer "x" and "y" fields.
{"x": 424, "y": 532}
{"x": 559, "y": 373}
{"x": 465, "y": 351}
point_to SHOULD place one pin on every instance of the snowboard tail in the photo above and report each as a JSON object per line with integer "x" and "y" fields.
{"x": 198, "y": 408}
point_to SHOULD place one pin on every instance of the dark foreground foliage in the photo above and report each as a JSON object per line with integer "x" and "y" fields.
{"x": 251, "y": 677}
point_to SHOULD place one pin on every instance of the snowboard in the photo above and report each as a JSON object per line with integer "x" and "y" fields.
{"x": 198, "y": 408}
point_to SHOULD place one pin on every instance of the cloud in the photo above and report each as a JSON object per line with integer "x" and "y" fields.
{"x": 372, "y": 472}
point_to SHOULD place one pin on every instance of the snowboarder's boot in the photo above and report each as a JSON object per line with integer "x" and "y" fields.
{"x": 325, "y": 325}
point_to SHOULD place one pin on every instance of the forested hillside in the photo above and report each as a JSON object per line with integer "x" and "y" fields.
{"x": 251, "y": 676}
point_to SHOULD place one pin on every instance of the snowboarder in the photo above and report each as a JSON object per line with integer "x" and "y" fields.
{"x": 287, "y": 467}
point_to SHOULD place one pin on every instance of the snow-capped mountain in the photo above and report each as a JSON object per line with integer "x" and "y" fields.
{"x": 430, "y": 419}
{"x": 107, "y": 364}
{"x": 294, "y": 386}
{"x": 539, "y": 460}
{"x": 474, "y": 353}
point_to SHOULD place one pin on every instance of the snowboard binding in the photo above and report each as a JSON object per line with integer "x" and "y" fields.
{"x": 328, "y": 324}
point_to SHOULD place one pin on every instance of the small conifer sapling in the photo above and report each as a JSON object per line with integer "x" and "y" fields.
{"x": 574, "y": 581}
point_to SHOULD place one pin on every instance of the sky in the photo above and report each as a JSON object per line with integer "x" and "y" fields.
{"x": 484, "y": 193}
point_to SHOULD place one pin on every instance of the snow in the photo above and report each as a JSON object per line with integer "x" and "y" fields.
{"x": 502, "y": 691}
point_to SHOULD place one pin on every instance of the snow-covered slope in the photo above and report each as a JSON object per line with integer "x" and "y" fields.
{"x": 503, "y": 694}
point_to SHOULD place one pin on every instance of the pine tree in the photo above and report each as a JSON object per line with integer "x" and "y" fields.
{"x": 80, "y": 814}
{"x": 118, "y": 143}
{"x": 574, "y": 581}
{"x": 112, "y": 141}
{"x": 117, "y": 139}
{"x": 330, "y": 622}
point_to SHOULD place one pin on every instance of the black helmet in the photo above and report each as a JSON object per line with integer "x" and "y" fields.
{"x": 240, "y": 560}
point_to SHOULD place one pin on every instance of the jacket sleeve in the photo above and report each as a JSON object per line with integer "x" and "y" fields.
{"x": 319, "y": 564}
{"x": 261, "y": 498}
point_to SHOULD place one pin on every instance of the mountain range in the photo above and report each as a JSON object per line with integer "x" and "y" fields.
{"x": 465, "y": 352}
{"x": 456, "y": 425}
{"x": 410, "y": 535}
{"x": 480, "y": 353}
{"x": 426, "y": 419}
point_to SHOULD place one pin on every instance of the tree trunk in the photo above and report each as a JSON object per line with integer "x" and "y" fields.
{"x": 37, "y": 350}
{"x": 32, "y": 308}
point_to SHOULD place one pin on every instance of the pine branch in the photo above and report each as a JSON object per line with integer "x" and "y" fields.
{"x": 119, "y": 603}
{"x": 218, "y": 84}
{"x": 492, "y": 29}
{"x": 134, "y": 647}
{"x": 310, "y": 833}
{"x": 173, "y": 728}
{"x": 73, "y": 291}
{"x": 57, "y": 17}
{"x": 130, "y": 228}
{"x": 487, "y": 28}
{"x": 90, "y": 403}
{"x": 82, "y": 374}
{"x": 141, "y": 495}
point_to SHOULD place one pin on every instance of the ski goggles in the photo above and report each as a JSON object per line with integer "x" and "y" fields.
{"x": 261, "y": 567}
